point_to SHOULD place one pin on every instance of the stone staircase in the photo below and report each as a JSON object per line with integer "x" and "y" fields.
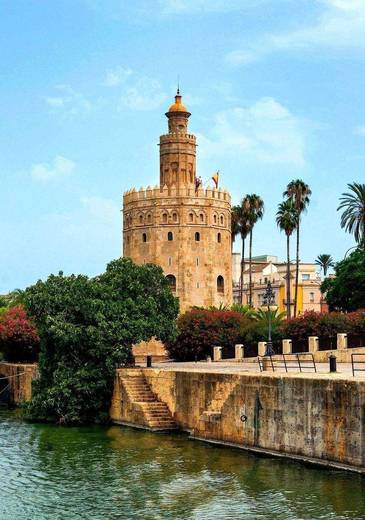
{"x": 150, "y": 411}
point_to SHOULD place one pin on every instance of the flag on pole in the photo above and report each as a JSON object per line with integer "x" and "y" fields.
{"x": 215, "y": 178}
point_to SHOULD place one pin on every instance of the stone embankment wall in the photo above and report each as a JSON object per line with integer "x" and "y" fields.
{"x": 20, "y": 378}
{"x": 318, "y": 418}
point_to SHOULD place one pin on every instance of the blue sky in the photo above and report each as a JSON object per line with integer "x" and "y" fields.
{"x": 275, "y": 87}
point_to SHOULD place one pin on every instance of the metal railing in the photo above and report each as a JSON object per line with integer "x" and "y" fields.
{"x": 302, "y": 362}
{"x": 355, "y": 362}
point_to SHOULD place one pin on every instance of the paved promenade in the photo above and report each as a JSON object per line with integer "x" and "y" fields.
{"x": 344, "y": 370}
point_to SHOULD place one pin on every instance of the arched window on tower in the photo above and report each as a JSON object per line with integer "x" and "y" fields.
{"x": 220, "y": 284}
{"x": 170, "y": 236}
{"x": 215, "y": 218}
{"x": 201, "y": 216}
{"x": 222, "y": 220}
{"x": 144, "y": 237}
{"x": 164, "y": 218}
{"x": 149, "y": 218}
{"x": 141, "y": 219}
{"x": 219, "y": 238}
{"x": 172, "y": 281}
{"x": 191, "y": 217}
{"x": 174, "y": 217}
{"x": 197, "y": 237}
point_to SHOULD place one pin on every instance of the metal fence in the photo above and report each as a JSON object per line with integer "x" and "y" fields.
{"x": 299, "y": 346}
{"x": 355, "y": 340}
{"x": 251, "y": 350}
{"x": 303, "y": 362}
{"x": 327, "y": 342}
{"x": 358, "y": 362}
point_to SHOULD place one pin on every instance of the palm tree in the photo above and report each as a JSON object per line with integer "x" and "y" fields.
{"x": 299, "y": 193}
{"x": 287, "y": 220}
{"x": 325, "y": 262}
{"x": 254, "y": 209}
{"x": 235, "y": 226}
{"x": 241, "y": 223}
{"x": 353, "y": 218}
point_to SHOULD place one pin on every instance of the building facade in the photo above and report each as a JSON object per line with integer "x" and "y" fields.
{"x": 267, "y": 268}
{"x": 179, "y": 225}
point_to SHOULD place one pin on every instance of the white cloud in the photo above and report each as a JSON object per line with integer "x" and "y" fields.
{"x": 266, "y": 131}
{"x": 340, "y": 25}
{"x": 60, "y": 167}
{"x": 117, "y": 76}
{"x": 145, "y": 94}
{"x": 68, "y": 101}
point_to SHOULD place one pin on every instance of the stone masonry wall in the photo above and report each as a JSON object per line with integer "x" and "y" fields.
{"x": 310, "y": 417}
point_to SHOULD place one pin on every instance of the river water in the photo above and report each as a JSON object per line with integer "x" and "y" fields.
{"x": 115, "y": 472}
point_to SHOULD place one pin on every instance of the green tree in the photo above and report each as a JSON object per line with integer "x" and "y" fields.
{"x": 353, "y": 216}
{"x": 299, "y": 193}
{"x": 87, "y": 328}
{"x": 346, "y": 291}
{"x": 325, "y": 262}
{"x": 287, "y": 219}
{"x": 242, "y": 226}
{"x": 254, "y": 209}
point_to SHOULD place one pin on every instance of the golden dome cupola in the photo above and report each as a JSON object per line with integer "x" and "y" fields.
{"x": 178, "y": 115}
{"x": 178, "y": 106}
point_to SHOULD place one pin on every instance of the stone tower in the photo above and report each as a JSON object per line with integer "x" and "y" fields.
{"x": 184, "y": 229}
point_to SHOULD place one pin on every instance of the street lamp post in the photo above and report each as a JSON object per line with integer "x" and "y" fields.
{"x": 269, "y": 300}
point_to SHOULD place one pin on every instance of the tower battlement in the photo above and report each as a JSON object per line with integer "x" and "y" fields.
{"x": 172, "y": 193}
{"x": 175, "y": 136}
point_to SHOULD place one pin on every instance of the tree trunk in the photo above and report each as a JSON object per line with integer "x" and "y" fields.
{"x": 288, "y": 277}
{"x": 250, "y": 272}
{"x": 296, "y": 273}
{"x": 242, "y": 268}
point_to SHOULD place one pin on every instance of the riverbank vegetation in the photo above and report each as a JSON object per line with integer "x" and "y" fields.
{"x": 87, "y": 327}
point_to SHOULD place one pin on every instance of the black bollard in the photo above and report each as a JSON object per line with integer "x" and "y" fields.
{"x": 149, "y": 361}
{"x": 333, "y": 363}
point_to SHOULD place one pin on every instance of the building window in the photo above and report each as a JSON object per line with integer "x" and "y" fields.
{"x": 305, "y": 276}
{"x": 197, "y": 237}
{"x": 201, "y": 216}
{"x": 172, "y": 281}
{"x": 164, "y": 218}
{"x": 197, "y": 285}
{"x": 174, "y": 217}
{"x": 141, "y": 219}
{"x": 222, "y": 220}
{"x": 197, "y": 262}
{"x": 170, "y": 236}
{"x": 191, "y": 217}
{"x": 219, "y": 238}
{"x": 149, "y": 218}
{"x": 170, "y": 261}
{"x": 311, "y": 297}
{"x": 215, "y": 219}
{"x": 144, "y": 237}
{"x": 220, "y": 284}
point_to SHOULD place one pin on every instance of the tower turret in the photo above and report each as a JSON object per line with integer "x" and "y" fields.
{"x": 177, "y": 148}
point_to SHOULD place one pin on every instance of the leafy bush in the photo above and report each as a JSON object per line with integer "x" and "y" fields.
{"x": 322, "y": 324}
{"x": 19, "y": 340}
{"x": 346, "y": 291}
{"x": 199, "y": 330}
{"x": 87, "y": 328}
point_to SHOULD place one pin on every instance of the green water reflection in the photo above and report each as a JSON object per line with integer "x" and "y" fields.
{"x": 115, "y": 472}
